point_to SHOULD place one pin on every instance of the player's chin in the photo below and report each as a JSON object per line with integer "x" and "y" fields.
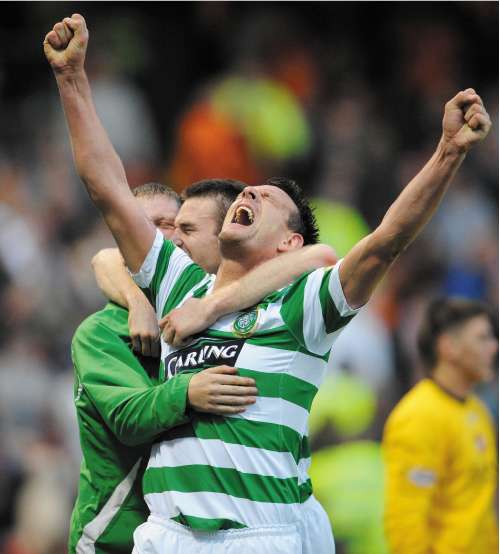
{"x": 483, "y": 374}
{"x": 234, "y": 232}
{"x": 487, "y": 374}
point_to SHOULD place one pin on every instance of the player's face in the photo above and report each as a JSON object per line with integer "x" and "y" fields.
{"x": 475, "y": 349}
{"x": 161, "y": 211}
{"x": 196, "y": 232}
{"x": 258, "y": 221}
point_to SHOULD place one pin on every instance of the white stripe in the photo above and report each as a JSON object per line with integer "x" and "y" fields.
{"x": 216, "y": 453}
{"x": 95, "y": 528}
{"x": 178, "y": 262}
{"x": 146, "y": 272}
{"x": 219, "y": 505}
{"x": 303, "y": 469}
{"x": 275, "y": 360}
{"x": 278, "y": 411}
{"x": 313, "y": 329}
{"x": 316, "y": 339}
{"x": 167, "y": 349}
{"x": 337, "y": 294}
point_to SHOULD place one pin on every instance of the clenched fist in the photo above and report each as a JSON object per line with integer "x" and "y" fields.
{"x": 465, "y": 120}
{"x": 66, "y": 44}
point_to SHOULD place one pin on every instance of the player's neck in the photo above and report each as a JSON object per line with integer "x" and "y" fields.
{"x": 453, "y": 380}
{"x": 231, "y": 270}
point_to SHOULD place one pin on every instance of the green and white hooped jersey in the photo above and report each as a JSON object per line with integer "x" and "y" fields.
{"x": 247, "y": 470}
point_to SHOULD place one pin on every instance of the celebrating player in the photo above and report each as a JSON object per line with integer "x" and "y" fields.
{"x": 197, "y": 224}
{"x": 244, "y": 478}
{"x": 119, "y": 408}
{"x": 439, "y": 442}
{"x": 119, "y": 421}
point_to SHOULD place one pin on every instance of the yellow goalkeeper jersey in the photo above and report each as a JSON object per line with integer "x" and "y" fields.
{"x": 441, "y": 475}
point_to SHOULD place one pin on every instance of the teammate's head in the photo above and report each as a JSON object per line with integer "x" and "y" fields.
{"x": 161, "y": 205}
{"x": 459, "y": 333}
{"x": 267, "y": 220}
{"x": 200, "y": 219}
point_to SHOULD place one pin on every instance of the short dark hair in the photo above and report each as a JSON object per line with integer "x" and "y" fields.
{"x": 443, "y": 315}
{"x": 152, "y": 189}
{"x": 303, "y": 221}
{"x": 223, "y": 191}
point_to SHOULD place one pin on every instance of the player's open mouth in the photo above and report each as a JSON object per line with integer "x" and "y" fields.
{"x": 243, "y": 216}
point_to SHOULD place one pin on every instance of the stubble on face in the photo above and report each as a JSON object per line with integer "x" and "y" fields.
{"x": 197, "y": 228}
{"x": 257, "y": 223}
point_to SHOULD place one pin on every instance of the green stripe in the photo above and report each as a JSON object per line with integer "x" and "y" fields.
{"x": 207, "y": 524}
{"x": 282, "y": 385}
{"x": 305, "y": 490}
{"x": 256, "y": 434}
{"x": 189, "y": 278}
{"x": 277, "y": 337}
{"x": 292, "y": 309}
{"x": 305, "y": 448}
{"x": 331, "y": 316}
{"x": 202, "y": 478}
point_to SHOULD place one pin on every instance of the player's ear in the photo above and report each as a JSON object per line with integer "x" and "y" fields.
{"x": 445, "y": 347}
{"x": 293, "y": 241}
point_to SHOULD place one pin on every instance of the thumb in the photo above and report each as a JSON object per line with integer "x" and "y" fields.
{"x": 163, "y": 322}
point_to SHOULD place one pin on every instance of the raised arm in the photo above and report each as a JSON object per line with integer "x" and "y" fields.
{"x": 465, "y": 123}
{"x": 97, "y": 163}
{"x": 198, "y": 314}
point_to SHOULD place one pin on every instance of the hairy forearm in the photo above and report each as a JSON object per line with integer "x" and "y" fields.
{"x": 270, "y": 276}
{"x": 114, "y": 280}
{"x": 367, "y": 263}
{"x": 418, "y": 202}
{"x": 102, "y": 171}
{"x": 96, "y": 160}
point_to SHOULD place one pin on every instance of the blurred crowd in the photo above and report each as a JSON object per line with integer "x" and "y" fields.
{"x": 346, "y": 98}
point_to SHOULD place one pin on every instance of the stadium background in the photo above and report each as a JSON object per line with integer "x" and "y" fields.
{"x": 345, "y": 97}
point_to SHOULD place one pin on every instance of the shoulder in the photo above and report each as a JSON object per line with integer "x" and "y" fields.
{"x": 416, "y": 411}
{"x": 478, "y": 405}
{"x": 112, "y": 318}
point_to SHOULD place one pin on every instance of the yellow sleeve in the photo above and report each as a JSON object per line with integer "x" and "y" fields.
{"x": 412, "y": 447}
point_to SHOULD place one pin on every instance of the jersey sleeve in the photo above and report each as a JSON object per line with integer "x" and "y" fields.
{"x": 413, "y": 458}
{"x": 132, "y": 406}
{"x": 167, "y": 274}
{"x": 315, "y": 309}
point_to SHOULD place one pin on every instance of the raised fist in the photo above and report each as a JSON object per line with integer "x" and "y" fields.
{"x": 465, "y": 120}
{"x": 66, "y": 44}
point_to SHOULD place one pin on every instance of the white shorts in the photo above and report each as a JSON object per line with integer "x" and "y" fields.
{"x": 161, "y": 536}
{"x": 312, "y": 534}
{"x": 315, "y": 529}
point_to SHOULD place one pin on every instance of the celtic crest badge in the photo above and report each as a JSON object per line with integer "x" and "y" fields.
{"x": 245, "y": 324}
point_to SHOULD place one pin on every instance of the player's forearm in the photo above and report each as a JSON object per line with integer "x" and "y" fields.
{"x": 102, "y": 171}
{"x": 417, "y": 203}
{"x": 136, "y": 416}
{"x": 113, "y": 278}
{"x": 268, "y": 277}
{"x": 96, "y": 160}
{"x": 367, "y": 263}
